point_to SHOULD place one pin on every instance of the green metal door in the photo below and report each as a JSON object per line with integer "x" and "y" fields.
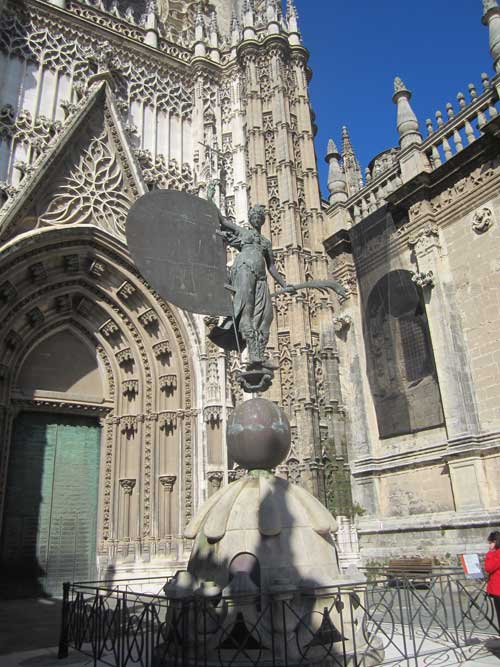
{"x": 49, "y": 526}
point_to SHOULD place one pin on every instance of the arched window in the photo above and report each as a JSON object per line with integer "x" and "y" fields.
{"x": 399, "y": 355}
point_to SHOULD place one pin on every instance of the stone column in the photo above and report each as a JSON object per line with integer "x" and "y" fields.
{"x": 167, "y": 482}
{"x": 491, "y": 18}
{"x": 127, "y": 487}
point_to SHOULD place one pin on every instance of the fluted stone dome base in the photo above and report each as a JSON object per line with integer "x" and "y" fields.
{"x": 287, "y": 530}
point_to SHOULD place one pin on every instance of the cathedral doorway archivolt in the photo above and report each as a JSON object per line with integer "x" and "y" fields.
{"x": 74, "y": 293}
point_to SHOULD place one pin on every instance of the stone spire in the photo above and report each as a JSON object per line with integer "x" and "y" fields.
{"x": 352, "y": 169}
{"x": 336, "y": 178}
{"x": 235, "y": 30}
{"x": 273, "y": 16}
{"x": 407, "y": 122}
{"x": 248, "y": 20}
{"x": 150, "y": 20}
{"x": 491, "y": 18}
{"x": 200, "y": 48}
{"x": 213, "y": 37}
{"x": 292, "y": 19}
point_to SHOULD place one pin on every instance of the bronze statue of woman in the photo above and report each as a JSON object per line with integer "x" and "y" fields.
{"x": 253, "y": 309}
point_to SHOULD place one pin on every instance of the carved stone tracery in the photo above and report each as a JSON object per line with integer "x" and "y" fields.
{"x": 94, "y": 192}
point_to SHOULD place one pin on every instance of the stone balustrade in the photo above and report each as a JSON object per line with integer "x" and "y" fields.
{"x": 446, "y": 137}
{"x": 452, "y": 133}
{"x": 373, "y": 196}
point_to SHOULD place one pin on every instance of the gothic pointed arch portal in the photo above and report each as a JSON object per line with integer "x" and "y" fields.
{"x": 84, "y": 336}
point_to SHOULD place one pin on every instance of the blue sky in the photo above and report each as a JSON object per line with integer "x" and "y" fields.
{"x": 357, "y": 47}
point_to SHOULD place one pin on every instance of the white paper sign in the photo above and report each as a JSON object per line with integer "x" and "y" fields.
{"x": 472, "y": 566}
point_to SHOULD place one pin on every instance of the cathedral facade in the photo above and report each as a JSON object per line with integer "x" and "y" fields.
{"x": 113, "y": 402}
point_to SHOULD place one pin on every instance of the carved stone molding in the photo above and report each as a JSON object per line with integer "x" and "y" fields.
{"x": 457, "y": 193}
{"x": 128, "y": 424}
{"x": 424, "y": 239}
{"x": 215, "y": 478}
{"x": 130, "y": 387}
{"x": 85, "y": 307}
{"x": 7, "y": 292}
{"x": 168, "y": 419}
{"x": 71, "y": 263}
{"x": 212, "y": 413}
{"x": 128, "y": 485}
{"x": 13, "y": 340}
{"x": 96, "y": 268}
{"x": 482, "y": 220}
{"x": 168, "y": 382}
{"x": 342, "y": 323}
{"x": 124, "y": 356}
{"x": 162, "y": 349}
{"x": 148, "y": 318}
{"x": 61, "y": 405}
{"x": 37, "y": 272}
{"x": 423, "y": 279}
{"x": 235, "y": 474}
{"x": 63, "y": 303}
{"x": 125, "y": 291}
{"x": 109, "y": 328}
{"x": 168, "y": 482}
{"x": 35, "y": 317}
{"x": 83, "y": 244}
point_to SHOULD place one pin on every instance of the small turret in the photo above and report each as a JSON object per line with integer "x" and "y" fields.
{"x": 248, "y": 20}
{"x": 407, "y": 122}
{"x": 235, "y": 30}
{"x": 200, "y": 49}
{"x": 292, "y": 19}
{"x": 491, "y": 18}
{"x": 213, "y": 38}
{"x": 273, "y": 17}
{"x": 336, "y": 178}
{"x": 150, "y": 22}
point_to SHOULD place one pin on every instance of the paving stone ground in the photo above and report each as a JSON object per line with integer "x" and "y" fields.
{"x": 29, "y": 634}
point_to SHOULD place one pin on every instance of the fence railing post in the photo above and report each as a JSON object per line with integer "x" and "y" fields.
{"x": 64, "y": 638}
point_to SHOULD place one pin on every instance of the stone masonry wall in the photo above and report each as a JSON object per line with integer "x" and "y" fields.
{"x": 475, "y": 267}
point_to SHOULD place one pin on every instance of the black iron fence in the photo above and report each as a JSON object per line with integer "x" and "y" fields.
{"x": 358, "y": 624}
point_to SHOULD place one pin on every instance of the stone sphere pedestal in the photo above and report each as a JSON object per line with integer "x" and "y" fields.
{"x": 263, "y": 569}
{"x": 258, "y": 435}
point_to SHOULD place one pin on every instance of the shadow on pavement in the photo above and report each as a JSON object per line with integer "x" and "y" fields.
{"x": 493, "y": 646}
{"x": 29, "y": 624}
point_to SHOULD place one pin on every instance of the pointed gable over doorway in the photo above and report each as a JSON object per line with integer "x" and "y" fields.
{"x": 87, "y": 176}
